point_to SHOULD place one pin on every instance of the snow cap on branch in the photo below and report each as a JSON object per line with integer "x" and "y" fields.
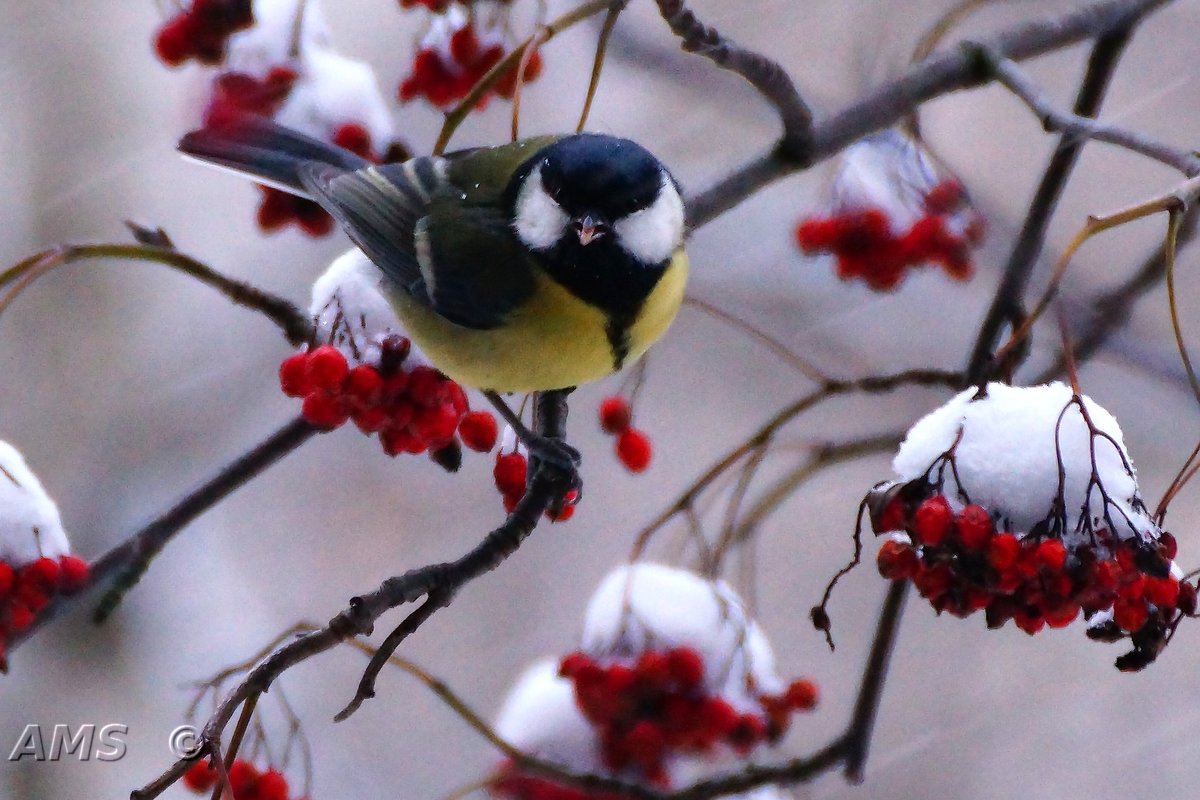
{"x": 646, "y": 606}
{"x": 1011, "y": 443}
{"x": 30, "y": 526}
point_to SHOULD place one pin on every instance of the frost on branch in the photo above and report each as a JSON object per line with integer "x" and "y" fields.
{"x": 672, "y": 683}
{"x": 362, "y": 367}
{"x": 1023, "y": 503}
{"x": 893, "y": 210}
{"x": 35, "y": 559}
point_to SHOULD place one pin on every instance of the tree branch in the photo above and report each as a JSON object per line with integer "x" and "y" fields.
{"x": 938, "y": 75}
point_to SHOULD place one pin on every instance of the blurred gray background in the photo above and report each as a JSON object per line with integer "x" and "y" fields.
{"x": 125, "y": 384}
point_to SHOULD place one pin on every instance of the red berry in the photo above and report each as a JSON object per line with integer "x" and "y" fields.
{"x": 932, "y": 520}
{"x": 364, "y": 384}
{"x": 173, "y": 44}
{"x": 6, "y": 578}
{"x": 293, "y": 375}
{"x": 944, "y": 197}
{"x": 718, "y": 717}
{"x": 634, "y": 450}
{"x": 564, "y": 513}
{"x": 1063, "y": 615}
{"x": 509, "y": 473}
{"x": 327, "y": 368}
{"x": 324, "y": 411}
{"x": 355, "y": 138}
{"x": 243, "y": 779}
{"x": 686, "y": 666}
{"x": 646, "y": 744}
{"x": 74, "y": 573}
{"x": 479, "y": 431}
{"x": 1187, "y": 598}
{"x": 200, "y": 777}
{"x": 425, "y": 386}
{"x": 802, "y": 695}
{"x": 435, "y": 426}
{"x": 1130, "y": 615}
{"x": 20, "y": 616}
{"x": 1162, "y": 592}
{"x": 750, "y": 731}
{"x": 1168, "y": 546}
{"x": 401, "y": 440}
{"x": 572, "y": 663}
{"x": 653, "y": 668}
{"x": 371, "y": 420}
{"x": 891, "y": 518}
{"x": 897, "y": 561}
{"x": 974, "y": 527}
{"x": 1051, "y": 555}
{"x": 46, "y": 572}
{"x": 1003, "y": 551}
{"x": 615, "y": 414}
{"x": 271, "y": 786}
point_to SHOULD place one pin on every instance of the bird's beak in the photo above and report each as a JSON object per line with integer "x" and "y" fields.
{"x": 589, "y": 229}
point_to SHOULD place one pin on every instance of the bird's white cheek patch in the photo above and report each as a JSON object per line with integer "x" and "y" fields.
{"x": 653, "y": 234}
{"x": 540, "y": 222}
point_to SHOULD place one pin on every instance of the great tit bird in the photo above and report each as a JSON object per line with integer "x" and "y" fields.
{"x": 531, "y": 266}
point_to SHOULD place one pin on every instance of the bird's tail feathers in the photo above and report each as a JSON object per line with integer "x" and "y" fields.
{"x": 264, "y": 150}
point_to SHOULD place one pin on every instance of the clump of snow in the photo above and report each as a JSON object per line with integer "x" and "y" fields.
{"x": 888, "y": 171}
{"x": 540, "y": 717}
{"x": 269, "y": 42}
{"x": 1007, "y": 443}
{"x": 352, "y": 312}
{"x": 334, "y": 90}
{"x": 30, "y": 526}
{"x": 650, "y": 606}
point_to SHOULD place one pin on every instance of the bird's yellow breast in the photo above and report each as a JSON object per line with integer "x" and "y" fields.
{"x": 553, "y": 341}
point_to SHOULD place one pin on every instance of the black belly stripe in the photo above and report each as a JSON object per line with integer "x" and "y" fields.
{"x": 617, "y": 331}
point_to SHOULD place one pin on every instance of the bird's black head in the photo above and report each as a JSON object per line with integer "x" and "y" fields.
{"x": 599, "y": 192}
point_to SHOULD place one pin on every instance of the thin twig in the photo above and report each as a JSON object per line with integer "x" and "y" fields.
{"x": 610, "y": 22}
{"x": 1007, "y": 302}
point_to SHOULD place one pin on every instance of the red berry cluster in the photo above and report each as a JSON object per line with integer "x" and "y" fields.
{"x": 659, "y": 705}
{"x": 202, "y": 31}
{"x": 633, "y": 445}
{"x": 236, "y": 94}
{"x": 866, "y": 246}
{"x": 246, "y": 782}
{"x": 26, "y": 590}
{"x": 510, "y": 472}
{"x": 413, "y": 409}
{"x": 960, "y": 563}
{"x": 443, "y": 83}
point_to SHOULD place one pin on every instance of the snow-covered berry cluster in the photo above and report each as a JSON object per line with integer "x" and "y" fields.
{"x": 246, "y": 781}
{"x": 892, "y": 212}
{"x": 35, "y": 559}
{"x": 283, "y": 67}
{"x": 364, "y": 369}
{"x": 633, "y": 446}
{"x": 1023, "y": 503}
{"x": 202, "y": 30}
{"x": 672, "y": 683}
{"x": 511, "y": 471}
{"x": 460, "y": 47}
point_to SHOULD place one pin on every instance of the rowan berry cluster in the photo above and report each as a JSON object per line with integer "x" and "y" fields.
{"x": 202, "y": 31}
{"x": 25, "y": 590}
{"x": 413, "y": 408}
{"x": 457, "y": 51}
{"x": 633, "y": 446}
{"x": 960, "y": 563}
{"x": 510, "y": 474}
{"x": 867, "y": 244}
{"x": 658, "y": 705}
{"x": 246, "y": 781}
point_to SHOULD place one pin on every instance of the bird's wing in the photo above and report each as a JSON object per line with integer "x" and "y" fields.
{"x": 380, "y": 207}
{"x": 439, "y": 227}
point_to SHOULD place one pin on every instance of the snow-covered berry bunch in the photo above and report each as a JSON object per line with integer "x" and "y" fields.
{"x": 364, "y": 369}
{"x": 202, "y": 30}
{"x": 892, "y": 212}
{"x": 511, "y": 471}
{"x": 282, "y": 66}
{"x": 672, "y": 682}
{"x": 633, "y": 446}
{"x": 35, "y": 559}
{"x": 461, "y": 45}
{"x": 1023, "y": 503}
{"x": 246, "y": 781}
